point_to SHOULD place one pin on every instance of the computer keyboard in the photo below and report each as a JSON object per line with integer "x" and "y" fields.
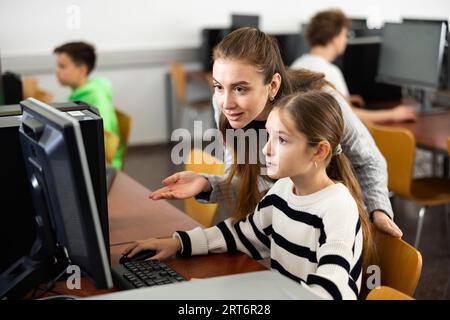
{"x": 148, "y": 273}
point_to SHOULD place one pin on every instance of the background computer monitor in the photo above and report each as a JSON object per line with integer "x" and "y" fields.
{"x": 242, "y": 20}
{"x": 445, "y": 21}
{"x": 359, "y": 65}
{"x": 411, "y": 54}
{"x": 358, "y": 23}
{"x": 63, "y": 197}
{"x": 210, "y": 38}
{"x": 444, "y": 81}
{"x": 290, "y": 45}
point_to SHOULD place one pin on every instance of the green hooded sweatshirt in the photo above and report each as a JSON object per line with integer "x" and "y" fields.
{"x": 97, "y": 92}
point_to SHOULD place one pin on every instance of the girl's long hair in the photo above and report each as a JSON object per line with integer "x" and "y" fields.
{"x": 317, "y": 115}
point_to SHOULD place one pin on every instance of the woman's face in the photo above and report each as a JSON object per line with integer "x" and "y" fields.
{"x": 285, "y": 143}
{"x": 240, "y": 91}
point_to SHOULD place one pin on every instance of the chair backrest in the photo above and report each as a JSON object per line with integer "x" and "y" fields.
{"x": 398, "y": 147}
{"x": 387, "y": 293}
{"x": 178, "y": 76}
{"x": 125, "y": 123}
{"x": 448, "y": 145}
{"x": 400, "y": 263}
{"x": 202, "y": 162}
{"x": 111, "y": 142}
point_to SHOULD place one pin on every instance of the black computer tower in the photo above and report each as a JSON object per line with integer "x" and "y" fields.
{"x": 17, "y": 225}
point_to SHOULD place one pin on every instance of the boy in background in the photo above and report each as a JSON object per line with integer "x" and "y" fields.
{"x": 75, "y": 61}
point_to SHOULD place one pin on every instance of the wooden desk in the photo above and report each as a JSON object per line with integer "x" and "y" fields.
{"x": 133, "y": 216}
{"x": 431, "y": 131}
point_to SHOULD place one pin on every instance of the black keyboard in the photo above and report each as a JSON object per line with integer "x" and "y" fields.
{"x": 148, "y": 273}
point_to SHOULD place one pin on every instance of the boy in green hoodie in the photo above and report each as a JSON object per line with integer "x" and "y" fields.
{"x": 75, "y": 61}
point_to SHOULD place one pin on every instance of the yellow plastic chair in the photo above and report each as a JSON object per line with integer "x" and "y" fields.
{"x": 202, "y": 162}
{"x": 400, "y": 263}
{"x": 30, "y": 88}
{"x": 125, "y": 123}
{"x": 398, "y": 146}
{"x": 111, "y": 142}
{"x": 448, "y": 145}
{"x": 387, "y": 293}
{"x": 179, "y": 81}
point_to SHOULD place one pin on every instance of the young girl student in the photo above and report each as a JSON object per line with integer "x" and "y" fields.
{"x": 311, "y": 223}
{"x": 249, "y": 78}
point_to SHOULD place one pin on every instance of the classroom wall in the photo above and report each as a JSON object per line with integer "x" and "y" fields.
{"x": 136, "y": 39}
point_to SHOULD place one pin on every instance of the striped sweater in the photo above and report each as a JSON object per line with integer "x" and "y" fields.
{"x": 315, "y": 239}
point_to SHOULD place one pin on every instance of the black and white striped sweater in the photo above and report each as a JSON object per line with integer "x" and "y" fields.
{"x": 314, "y": 239}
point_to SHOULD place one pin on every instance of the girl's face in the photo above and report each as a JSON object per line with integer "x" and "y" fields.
{"x": 240, "y": 91}
{"x": 287, "y": 151}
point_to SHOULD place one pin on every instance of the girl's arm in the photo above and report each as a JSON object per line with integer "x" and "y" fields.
{"x": 251, "y": 236}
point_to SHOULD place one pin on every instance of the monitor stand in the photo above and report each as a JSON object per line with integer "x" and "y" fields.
{"x": 29, "y": 272}
{"x": 46, "y": 260}
{"x": 426, "y": 100}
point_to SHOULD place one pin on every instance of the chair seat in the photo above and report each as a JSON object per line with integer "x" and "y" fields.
{"x": 430, "y": 191}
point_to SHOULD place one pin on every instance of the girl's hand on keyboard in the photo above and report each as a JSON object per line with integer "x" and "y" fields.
{"x": 165, "y": 248}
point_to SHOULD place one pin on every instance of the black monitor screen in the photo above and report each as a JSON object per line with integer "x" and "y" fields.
{"x": 60, "y": 184}
{"x": 290, "y": 45}
{"x": 358, "y": 23}
{"x": 411, "y": 54}
{"x": 240, "y": 20}
{"x": 359, "y": 66}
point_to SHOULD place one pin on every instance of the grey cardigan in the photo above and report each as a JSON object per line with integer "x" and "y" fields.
{"x": 357, "y": 144}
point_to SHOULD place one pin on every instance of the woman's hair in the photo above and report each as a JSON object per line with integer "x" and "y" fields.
{"x": 326, "y": 25}
{"x": 252, "y": 46}
{"x": 317, "y": 115}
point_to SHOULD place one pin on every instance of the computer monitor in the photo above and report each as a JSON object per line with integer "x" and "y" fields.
{"x": 18, "y": 229}
{"x": 241, "y": 20}
{"x": 290, "y": 45}
{"x": 359, "y": 66}
{"x": 210, "y": 38}
{"x": 444, "y": 82}
{"x": 358, "y": 23}
{"x": 416, "y": 20}
{"x": 411, "y": 54}
{"x": 63, "y": 196}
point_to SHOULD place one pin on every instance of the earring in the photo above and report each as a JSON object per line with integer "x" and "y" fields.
{"x": 315, "y": 164}
{"x": 271, "y": 98}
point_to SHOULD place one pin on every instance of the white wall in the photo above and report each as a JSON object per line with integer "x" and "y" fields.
{"x": 33, "y": 28}
{"x": 36, "y": 26}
